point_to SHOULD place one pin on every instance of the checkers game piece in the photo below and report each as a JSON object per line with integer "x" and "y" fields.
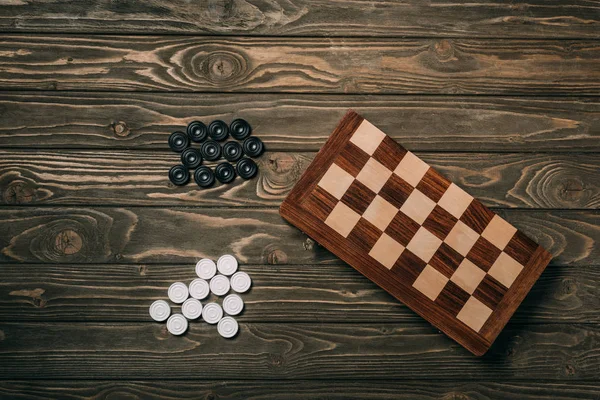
{"x": 212, "y": 313}
{"x": 227, "y": 327}
{"x": 219, "y": 285}
{"x": 199, "y": 289}
{"x": 423, "y": 239}
{"x": 177, "y": 324}
{"x": 233, "y": 304}
{"x": 240, "y": 282}
{"x": 160, "y": 310}
{"x": 227, "y": 264}
{"x": 191, "y": 309}
{"x": 206, "y": 268}
{"x": 178, "y": 292}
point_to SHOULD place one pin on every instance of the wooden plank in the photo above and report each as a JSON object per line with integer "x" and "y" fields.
{"x": 300, "y": 390}
{"x": 164, "y": 235}
{"x": 448, "y": 123}
{"x": 293, "y": 65}
{"x": 305, "y": 293}
{"x": 72, "y": 177}
{"x": 308, "y": 17}
{"x": 292, "y": 351}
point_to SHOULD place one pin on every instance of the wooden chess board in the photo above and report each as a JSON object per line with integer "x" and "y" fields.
{"x": 419, "y": 236}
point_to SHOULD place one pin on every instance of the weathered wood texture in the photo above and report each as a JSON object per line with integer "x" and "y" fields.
{"x": 304, "y": 293}
{"x": 293, "y": 351}
{"x": 307, "y": 17}
{"x": 63, "y": 177}
{"x": 299, "y": 390}
{"x": 301, "y": 121}
{"x": 239, "y": 64}
{"x": 166, "y": 235}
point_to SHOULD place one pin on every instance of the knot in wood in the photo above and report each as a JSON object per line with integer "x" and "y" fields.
{"x": 18, "y": 192}
{"x": 282, "y": 162}
{"x": 444, "y": 49}
{"x": 275, "y": 360}
{"x": 569, "y": 370}
{"x": 68, "y": 242}
{"x": 572, "y": 189}
{"x": 223, "y": 67}
{"x": 277, "y": 256}
{"x": 568, "y": 287}
{"x": 120, "y": 129}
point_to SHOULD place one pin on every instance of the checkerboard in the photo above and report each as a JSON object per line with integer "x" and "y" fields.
{"x": 419, "y": 236}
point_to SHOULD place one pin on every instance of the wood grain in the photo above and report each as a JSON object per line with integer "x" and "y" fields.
{"x": 440, "y": 123}
{"x": 308, "y": 17}
{"x": 408, "y": 275}
{"x": 167, "y": 235}
{"x": 299, "y": 390}
{"x": 273, "y": 351}
{"x": 292, "y": 65}
{"x": 286, "y": 294}
{"x": 71, "y": 177}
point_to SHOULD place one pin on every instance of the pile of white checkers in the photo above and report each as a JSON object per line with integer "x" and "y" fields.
{"x": 208, "y": 281}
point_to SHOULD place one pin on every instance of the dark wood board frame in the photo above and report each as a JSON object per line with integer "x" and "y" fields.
{"x": 297, "y": 212}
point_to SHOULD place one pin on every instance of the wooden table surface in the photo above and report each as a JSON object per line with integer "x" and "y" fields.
{"x": 502, "y": 97}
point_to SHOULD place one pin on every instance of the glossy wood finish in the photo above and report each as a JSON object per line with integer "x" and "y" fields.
{"x": 338, "y": 178}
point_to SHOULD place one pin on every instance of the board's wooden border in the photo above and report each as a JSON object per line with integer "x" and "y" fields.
{"x": 291, "y": 209}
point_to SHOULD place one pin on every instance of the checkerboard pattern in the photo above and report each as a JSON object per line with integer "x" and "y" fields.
{"x": 456, "y": 252}
{"x": 417, "y": 235}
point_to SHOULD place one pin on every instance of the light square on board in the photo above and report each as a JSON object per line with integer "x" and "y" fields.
{"x": 474, "y": 314}
{"x": 411, "y": 168}
{"x": 336, "y": 181}
{"x": 455, "y": 200}
{"x": 424, "y": 244}
{"x": 499, "y": 232}
{"x": 380, "y": 213}
{"x": 367, "y": 137}
{"x": 462, "y": 238}
{"x": 430, "y": 282}
{"x": 386, "y": 251}
{"x": 374, "y": 175}
{"x": 505, "y": 269}
{"x": 468, "y": 276}
{"x": 418, "y": 206}
{"x": 342, "y": 219}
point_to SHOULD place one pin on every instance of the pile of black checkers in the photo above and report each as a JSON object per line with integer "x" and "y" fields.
{"x": 234, "y": 151}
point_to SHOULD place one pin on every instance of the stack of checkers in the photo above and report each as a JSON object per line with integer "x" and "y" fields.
{"x": 419, "y": 236}
{"x": 208, "y": 281}
{"x": 210, "y": 150}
